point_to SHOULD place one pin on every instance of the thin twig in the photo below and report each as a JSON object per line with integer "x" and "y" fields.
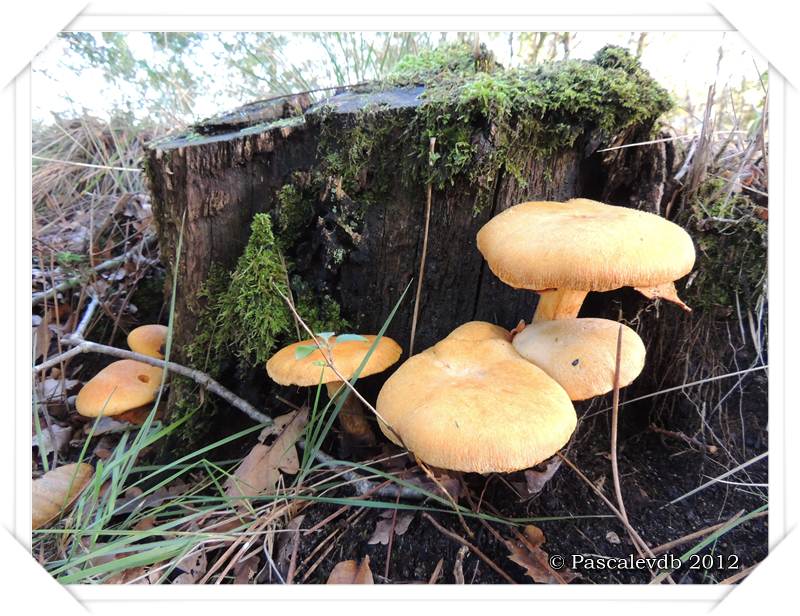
{"x": 391, "y": 541}
{"x": 666, "y": 547}
{"x": 471, "y": 547}
{"x": 722, "y": 476}
{"x": 424, "y": 252}
{"x": 330, "y": 364}
{"x": 201, "y": 378}
{"x": 739, "y": 575}
{"x": 614, "y": 426}
{"x": 678, "y": 388}
{"x": 87, "y": 165}
{"x": 293, "y": 559}
{"x": 363, "y": 485}
{"x": 39, "y": 297}
{"x": 80, "y": 329}
{"x": 665, "y": 139}
{"x": 689, "y": 440}
{"x": 638, "y": 542}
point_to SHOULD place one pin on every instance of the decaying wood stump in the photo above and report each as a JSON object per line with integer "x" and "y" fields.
{"x": 359, "y": 160}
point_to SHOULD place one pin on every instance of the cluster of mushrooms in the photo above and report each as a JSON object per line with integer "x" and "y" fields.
{"x": 485, "y": 399}
{"x": 125, "y": 389}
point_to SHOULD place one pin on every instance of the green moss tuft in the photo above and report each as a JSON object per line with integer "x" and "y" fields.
{"x": 731, "y": 242}
{"x": 320, "y": 311}
{"x": 294, "y": 212}
{"x": 245, "y": 314}
{"x": 486, "y": 119}
{"x": 454, "y": 59}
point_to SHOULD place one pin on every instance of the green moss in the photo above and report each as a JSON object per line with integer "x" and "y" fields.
{"x": 731, "y": 242}
{"x": 205, "y": 411}
{"x": 455, "y": 59}
{"x": 319, "y": 310}
{"x": 485, "y": 119}
{"x": 294, "y": 212}
{"x": 245, "y": 314}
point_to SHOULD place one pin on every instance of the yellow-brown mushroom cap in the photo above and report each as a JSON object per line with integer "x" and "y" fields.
{"x": 584, "y": 245}
{"x": 476, "y": 406}
{"x": 119, "y": 387}
{"x": 148, "y": 340}
{"x": 285, "y": 369}
{"x": 581, "y": 354}
{"x": 479, "y": 330}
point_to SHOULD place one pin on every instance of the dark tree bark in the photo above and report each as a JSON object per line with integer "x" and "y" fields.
{"x": 219, "y": 180}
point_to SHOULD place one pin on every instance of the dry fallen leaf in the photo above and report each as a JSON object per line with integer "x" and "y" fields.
{"x": 536, "y": 480}
{"x": 54, "y": 438}
{"x": 245, "y": 570}
{"x": 104, "y": 448}
{"x": 136, "y": 575}
{"x": 528, "y": 553}
{"x": 56, "y": 490}
{"x": 666, "y": 291}
{"x": 138, "y": 415}
{"x": 384, "y": 527}
{"x": 147, "y": 523}
{"x": 55, "y": 390}
{"x": 105, "y": 425}
{"x": 612, "y": 537}
{"x": 41, "y": 338}
{"x": 260, "y": 470}
{"x": 351, "y": 572}
{"x": 193, "y": 566}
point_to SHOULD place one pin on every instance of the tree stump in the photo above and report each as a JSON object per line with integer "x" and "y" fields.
{"x": 356, "y": 168}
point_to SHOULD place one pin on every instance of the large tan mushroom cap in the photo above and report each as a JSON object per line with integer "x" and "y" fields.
{"x": 479, "y": 330}
{"x": 477, "y": 406}
{"x": 584, "y": 245}
{"x": 581, "y": 354}
{"x": 285, "y": 369}
{"x": 148, "y": 340}
{"x": 119, "y": 387}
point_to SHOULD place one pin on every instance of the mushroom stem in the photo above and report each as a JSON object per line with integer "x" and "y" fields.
{"x": 558, "y": 304}
{"x": 351, "y": 416}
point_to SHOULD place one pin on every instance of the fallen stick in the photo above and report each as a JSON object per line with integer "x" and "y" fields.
{"x": 638, "y": 542}
{"x": 471, "y": 547}
{"x": 362, "y": 485}
{"x": 85, "y": 346}
{"x": 739, "y": 575}
{"x": 666, "y": 547}
{"x": 689, "y": 440}
{"x": 37, "y": 298}
{"x": 79, "y": 345}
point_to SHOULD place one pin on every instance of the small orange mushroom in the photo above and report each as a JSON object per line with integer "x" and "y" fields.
{"x": 304, "y": 364}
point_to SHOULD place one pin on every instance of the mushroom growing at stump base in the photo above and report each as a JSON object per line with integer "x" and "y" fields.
{"x": 305, "y": 364}
{"x": 564, "y": 250}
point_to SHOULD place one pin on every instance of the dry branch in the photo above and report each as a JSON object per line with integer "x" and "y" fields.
{"x": 39, "y": 297}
